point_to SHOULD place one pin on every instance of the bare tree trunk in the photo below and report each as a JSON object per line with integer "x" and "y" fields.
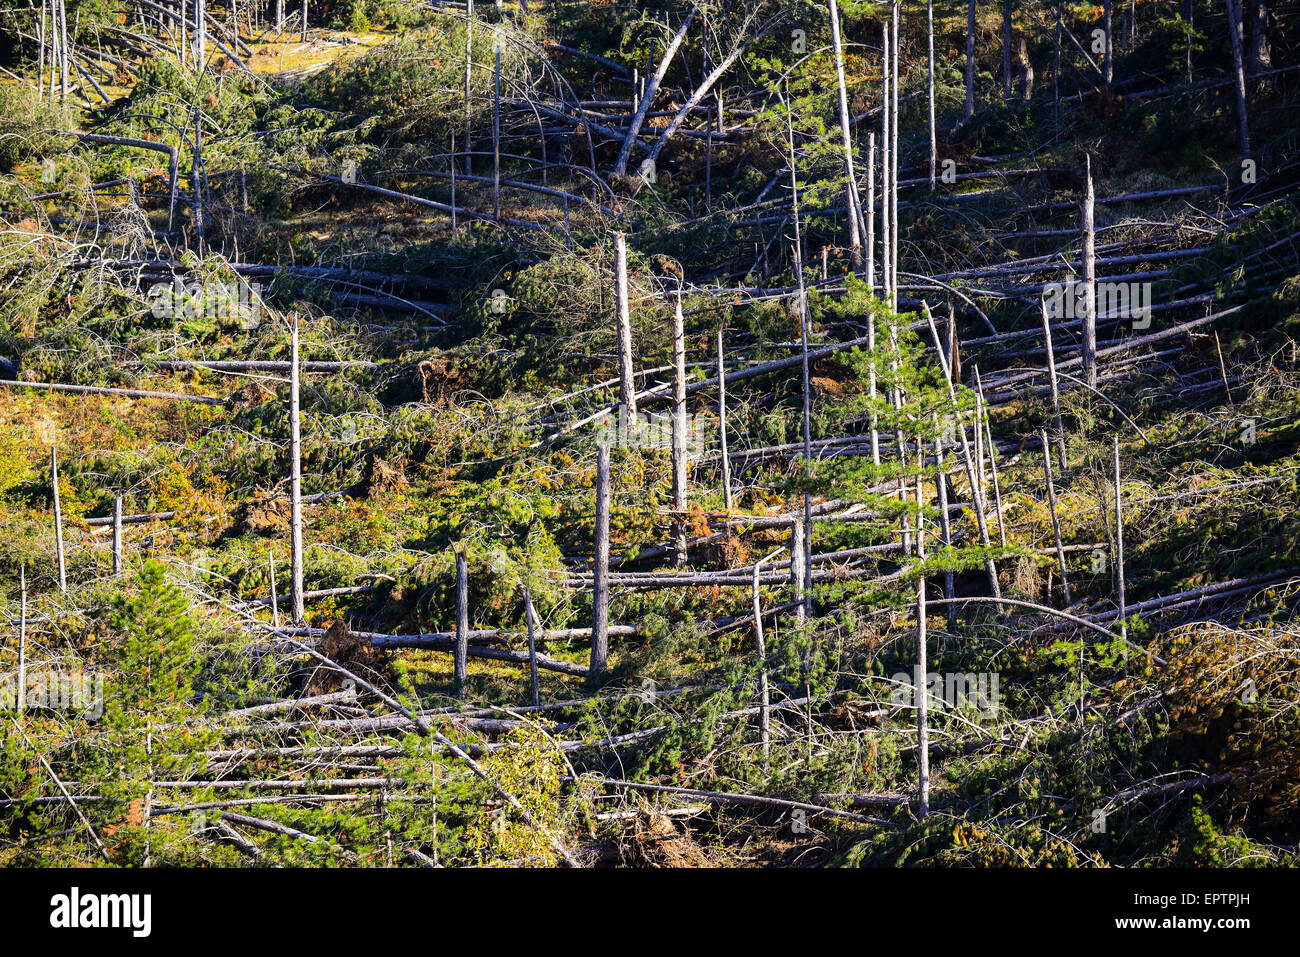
{"x": 679, "y": 430}
{"x": 21, "y": 701}
{"x": 871, "y": 216}
{"x": 722, "y": 426}
{"x": 798, "y": 566}
{"x": 295, "y": 479}
{"x": 1259, "y": 58}
{"x": 63, "y": 49}
{"x": 970, "y": 61}
{"x": 1089, "y": 278}
{"x": 976, "y": 499}
{"x": 1056, "y": 524}
{"x": 885, "y": 143}
{"x": 469, "y": 132}
{"x": 40, "y": 60}
{"x": 1056, "y": 60}
{"x": 760, "y": 652}
{"x": 600, "y": 570}
{"x": 1056, "y": 395}
{"x": 58, "y": 522}
{"x": 981, "y": 475}
{"x": 945, "y": 524}
{"x": 535, "y": 695}
{"x": 1119, "y": 553}
{"x": 708, "y": 158}
{"x": 893, "y": 175}
{"x": 652, "y": 87}
{"x": 496, "y": 136}
{"x": 54, "y": 47}
{"x": 118, "y": 567}
{"x": 806, "y": 603}
{"x": 871, "y": 288}
{"x": 700, "y": 93}
{"x": 922, "y": 659}
{"x": 461, "y": 664}
{"x": 1109, "y": 68}
{"x": 850, "y": 181}
{"x": 627, "y": 384}
{"x": 993, "y": 461}
{"x": 196, "y": 175}
{"x": 275, "y": 596}
{"x": 929, "y": 34}
{"x": 954, "y": 346}
{"x": 1006, "y": 49}
{"x": 1239, "y": 75}
{"x": 201, "y": 34}
{"x": 304, "y": 21}
{"x": 451, "y": 165}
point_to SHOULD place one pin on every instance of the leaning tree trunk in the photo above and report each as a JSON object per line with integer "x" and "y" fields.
{"x": 652, "y": 87}
{"x": 855, "y": 238}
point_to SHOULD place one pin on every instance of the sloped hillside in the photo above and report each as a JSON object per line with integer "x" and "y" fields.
{"x": 443, "y": 434}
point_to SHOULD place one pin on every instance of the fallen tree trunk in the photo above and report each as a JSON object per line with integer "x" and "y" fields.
{"x": 105, "y": 390}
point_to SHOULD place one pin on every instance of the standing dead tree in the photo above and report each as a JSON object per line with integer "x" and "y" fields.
{"x": 119, "y": 569}
{"x": 600, "y": 570}
{"x": 679, "y": 430}
{"x": 802, "y": 305}
{"x": 1006, "y": 49}
{"x": 460, "y": 665}
{"x": 1109, "y": 69}
{"x": 1089, "y": 239}
{"x": 1239, "y": 75}
{"x": 922, "y": 662}
{"x": 722, "y": 427}
{"x": 295, "y": 479}
{"x": 970, "y": 62}
{"x": 626, "y": 379}
{"x": 929, "y": 38}
{"x": 58, "y": 521}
